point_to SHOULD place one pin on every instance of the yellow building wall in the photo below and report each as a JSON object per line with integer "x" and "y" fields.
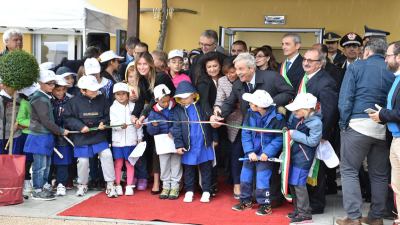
{"x": 341, "y": 16}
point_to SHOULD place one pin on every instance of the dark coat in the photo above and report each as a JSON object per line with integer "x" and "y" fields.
{"x": 208, "y": 94}
{"x": 393, "y": 115}
{"x": 322, "y": 86}
{"x": 296, "y": 72}
{"x": 81, "y": 111}
{"x": 339, "y": 58}
{"x": 267, "y": 80}
{"x": 336, "y": 73}
{"x": 146, "y": 95}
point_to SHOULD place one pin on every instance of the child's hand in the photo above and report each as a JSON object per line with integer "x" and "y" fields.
{"x": 85, "y": 129}
{"x": 215, "y": 144}
{"x": 134, "y": 119}
{"x": 253, "y": 157}
{"x": 264, "y": 157}
{"x": 101, "y": 126}
{"x": 291, "y": 132}
{"x": 139, "y": 122}
{"x": 180, "y": 151}
{"x": 124, "y": 126}
{"x": 66, "y": 132}
{"x": 155, "y": 124}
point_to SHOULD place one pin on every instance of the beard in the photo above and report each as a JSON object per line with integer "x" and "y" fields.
{"x": 393, "y": 67}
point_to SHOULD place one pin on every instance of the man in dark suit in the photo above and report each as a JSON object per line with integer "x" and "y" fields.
{"x": 319, "y": 83}
{"x": 130, "y": 44}
{"x": 291, "y": 69}
{"x": 250, "y": 80}
{"x": 332, "y": 42}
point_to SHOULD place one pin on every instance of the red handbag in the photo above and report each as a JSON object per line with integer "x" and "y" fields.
{"x": 12, "y": 175}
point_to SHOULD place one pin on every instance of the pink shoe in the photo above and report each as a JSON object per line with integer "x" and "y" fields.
{"x": 142, "y": 184}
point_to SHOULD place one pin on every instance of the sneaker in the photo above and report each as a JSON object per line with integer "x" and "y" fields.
{"x": 47, "y": 187}
{"x": 292, "y": 215}
{"x": 118, "y": 188}
{"x": 165, "y": 193}
{"x": 129, "y": 190}
{"x": 27, "y": 188}
{"x": 243, "y": 205}
{"x": 348, "y": 221}
{"x": 264, "y": 210}
{"x": 299, "y": 219}
{"x": 61, "y": 190}
{"x": 82, "y": 189}
{"x": 111, "y": 190}
{"x": 205, "y": 197}
{"x": 174, "y": 194}
{"x": 188, "y": 197}
{"x": 42, "y": 195}
{"x": 142, "y": 184}
{"x": 368, "y": 221}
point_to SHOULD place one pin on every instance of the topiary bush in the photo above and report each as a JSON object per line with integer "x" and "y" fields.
{"x": 18, "y": 69}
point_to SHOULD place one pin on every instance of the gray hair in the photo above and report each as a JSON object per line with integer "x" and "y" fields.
{"x": 321, "y": 56}
{"x": 210, "y": 34}
{"x": 376, "y": 45}
{"x": 9, "y": 33}
{"x": 296, "y": 37}
{"x": 246, "y": 57}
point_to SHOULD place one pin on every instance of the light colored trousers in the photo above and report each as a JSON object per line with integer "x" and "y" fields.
{"x": 395, "y": 161}
{"x": 171, "y": 170}
{"x": 107, "y": 166}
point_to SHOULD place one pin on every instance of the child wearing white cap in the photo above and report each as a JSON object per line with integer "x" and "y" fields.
{"x": 125, "y": 138}
{"x": 306, "y": 131}
{"x": 175, "y": 64}
{"x": 258, "y": 147}
{"x": 59, "y": 100}
{"x": 170, "y": 163}
{"x": 92, "y": 67}
{"x": 84, "y": 112}
{"x": 40, "y": 142}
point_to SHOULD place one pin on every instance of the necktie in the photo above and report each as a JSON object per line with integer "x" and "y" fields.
{"x": 250, "y": 85}
{"x": 288, "y": 63}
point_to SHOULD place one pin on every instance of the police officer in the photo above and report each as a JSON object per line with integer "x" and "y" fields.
{"x": 332, "y": 42}
{"x": 351, "y": 44}
{"x": 374, "y": 33}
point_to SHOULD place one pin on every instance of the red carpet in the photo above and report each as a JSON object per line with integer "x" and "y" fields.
{"x": 146, "y": 207}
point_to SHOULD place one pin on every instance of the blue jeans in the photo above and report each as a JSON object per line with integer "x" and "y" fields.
{"x": 40, "y": 170}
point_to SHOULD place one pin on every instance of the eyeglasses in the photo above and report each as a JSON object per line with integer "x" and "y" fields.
{"x": 206, "y": 45}
{"x": 51, "y": 83}
{"x": 310, "y": 60}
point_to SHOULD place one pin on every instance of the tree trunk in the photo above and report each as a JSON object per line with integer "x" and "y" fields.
{"x": 11, "y": 138}
{"x": 163, "y": 25}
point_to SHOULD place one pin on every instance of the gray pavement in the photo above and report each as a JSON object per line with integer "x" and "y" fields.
{"x": 34, "y": 212}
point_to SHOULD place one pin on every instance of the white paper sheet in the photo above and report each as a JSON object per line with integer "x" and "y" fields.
{"x": 164, "y": 144}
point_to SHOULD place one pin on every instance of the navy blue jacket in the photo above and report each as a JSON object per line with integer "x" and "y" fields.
{"x": 164, "y": 114}
{"x": 81, "y": 111}
{"x": 181, "y": 131}
{"x": 366, "y": 83}
{"x": 268, "y": 143}
{"x": 393, "y": 116}
{"x": 306, "y": 138}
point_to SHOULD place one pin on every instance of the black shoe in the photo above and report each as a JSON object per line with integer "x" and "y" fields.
{"x": 242, "y": 206}
{"x": 299, "y": 219}
{"x": 292, "y": 215}
{"x": 264, "y": 210}
{"x": 43, "y": 195}
{"x": 317, "y": 211}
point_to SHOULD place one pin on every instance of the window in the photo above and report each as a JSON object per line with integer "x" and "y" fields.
{"x": 54, "y": 48}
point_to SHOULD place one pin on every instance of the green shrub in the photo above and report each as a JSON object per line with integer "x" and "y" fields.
{"x": 18, "y": 69}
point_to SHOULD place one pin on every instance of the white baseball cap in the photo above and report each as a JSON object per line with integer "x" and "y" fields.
{"x": 303, "y": 101}
{"x": 46, "y": 76}
{"x": 47, "y": 66}
{"x": 108, "y": 55}
{"x": 160, "y": 91}
{"x": 175, "y": 53}
{"x": 260, "y": 98}
{"x": 28, "y": 91}
{"x": 92, "y": 66}
{"x": 61, "y": 81}
{"x": 89, "y": 82}
{"x": 120, "y": 87}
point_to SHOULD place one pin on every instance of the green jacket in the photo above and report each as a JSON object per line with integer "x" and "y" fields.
{"x": 24, "y": 116}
